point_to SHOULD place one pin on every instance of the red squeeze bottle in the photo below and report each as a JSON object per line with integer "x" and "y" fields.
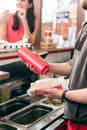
{"x": 39, "y": 65}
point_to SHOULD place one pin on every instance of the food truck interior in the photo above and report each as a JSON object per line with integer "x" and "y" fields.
{"x": 54, "y": 43}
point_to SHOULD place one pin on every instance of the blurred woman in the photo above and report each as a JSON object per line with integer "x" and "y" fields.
{"x": 23, "y": 25}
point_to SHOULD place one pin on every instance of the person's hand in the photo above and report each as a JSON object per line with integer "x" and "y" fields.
{"x": 30, "y": 67}
{"x": 21, "y": 14}
{"x": 51, "y": 93}
{"x": 4, "y": 16}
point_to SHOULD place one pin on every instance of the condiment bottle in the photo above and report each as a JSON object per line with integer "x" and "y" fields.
{"x": 39, "y": 65}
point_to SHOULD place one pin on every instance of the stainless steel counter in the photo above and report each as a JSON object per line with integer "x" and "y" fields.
{"x": 35, "y": 115}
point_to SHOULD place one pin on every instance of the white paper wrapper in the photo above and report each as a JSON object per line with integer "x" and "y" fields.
{"x": 45, "y": 83}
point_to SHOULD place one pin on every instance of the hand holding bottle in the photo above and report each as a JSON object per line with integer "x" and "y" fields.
{"x": 33, "y": 61}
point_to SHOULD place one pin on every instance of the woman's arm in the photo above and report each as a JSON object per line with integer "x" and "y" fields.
{"x": 79, "y": 96}
{"x": 60, "y": 68}
{"x": 4, "y": 17}
{"x": 3, "y": 31}
{"x": 32, "y": 36}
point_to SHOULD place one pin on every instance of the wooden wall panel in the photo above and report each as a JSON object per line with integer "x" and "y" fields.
{"x": 38, "y": 13}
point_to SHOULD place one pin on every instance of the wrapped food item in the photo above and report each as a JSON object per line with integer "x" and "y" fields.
{"x": 39, "y": 65}
{"x": 58, "y": 83}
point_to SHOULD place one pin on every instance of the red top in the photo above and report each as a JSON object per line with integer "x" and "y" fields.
{"x": 14, "y": 35}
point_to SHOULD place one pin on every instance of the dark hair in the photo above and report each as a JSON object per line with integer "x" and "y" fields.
{"x": 84, "y": 4}
{"x": 30, "y": 18}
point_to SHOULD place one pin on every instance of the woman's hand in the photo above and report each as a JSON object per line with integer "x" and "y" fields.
{"x": 51, "y": 93}
{"x": 21, "y": 14}
{"x": 4, "y": 16}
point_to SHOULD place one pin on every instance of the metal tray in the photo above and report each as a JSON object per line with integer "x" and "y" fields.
{"x": 13, "y": 106}
{"x": 30, "y": 115}
{"x": 7, "y": 127}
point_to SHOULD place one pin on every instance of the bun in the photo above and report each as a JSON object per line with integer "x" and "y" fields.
{"x": 45, "y": 83}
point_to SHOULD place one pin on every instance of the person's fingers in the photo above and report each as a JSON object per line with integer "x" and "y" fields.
{"x": 44, "y": 91}
{"x": 30, "y": 67}
{"x": 27, "y": 64}
{"x": 40, "y": 91}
